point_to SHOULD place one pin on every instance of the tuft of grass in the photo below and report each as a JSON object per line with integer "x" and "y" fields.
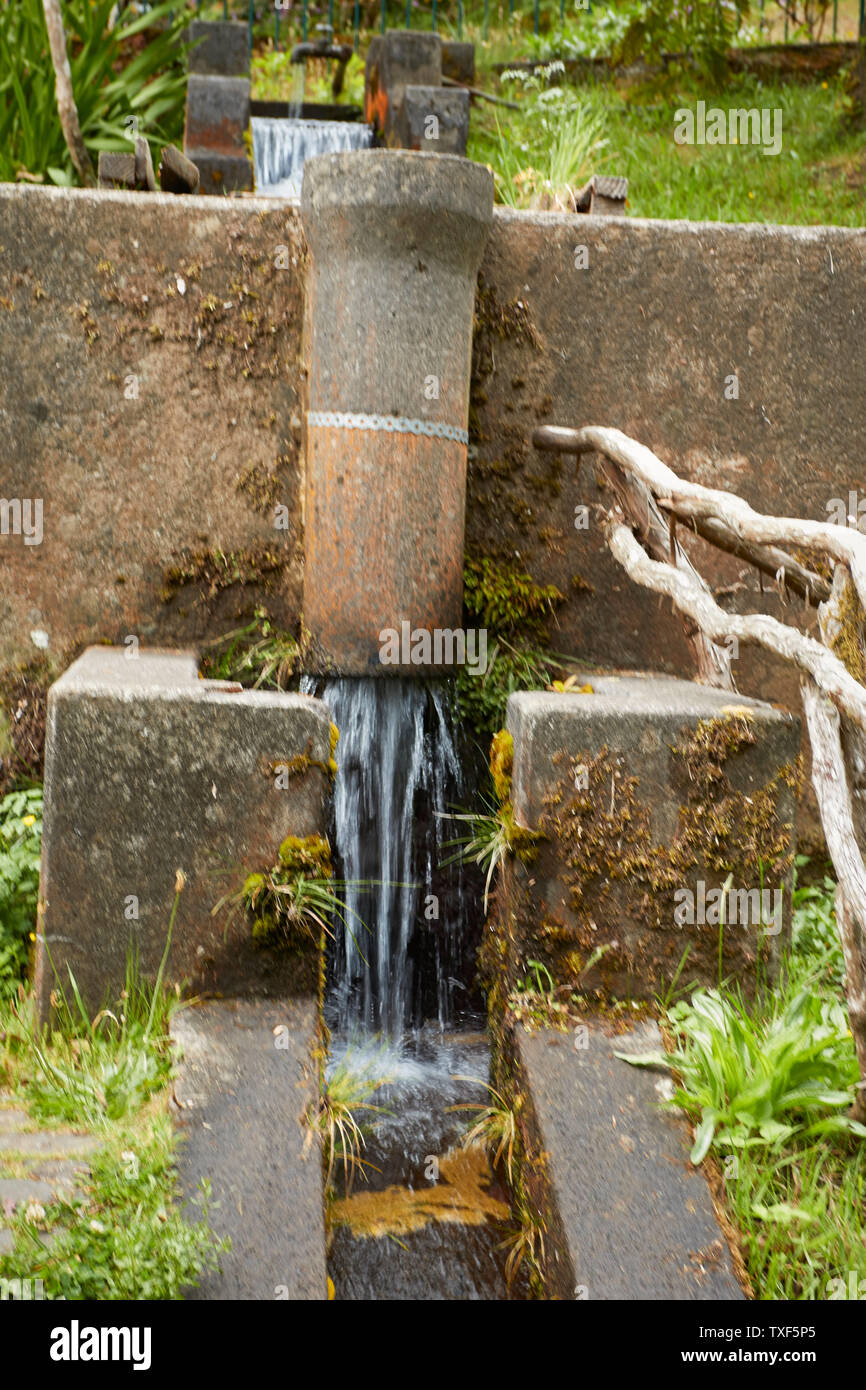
{"x": 98, "y": 1071}
{"x": 126, "y": 1238}
{"x": 768, "y": 1085}
{"x": 258, "y": 655}
{"x": 345, "y": 1097}
{"x": 495, "y": 1129}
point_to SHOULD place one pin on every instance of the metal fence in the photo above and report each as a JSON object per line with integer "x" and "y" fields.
{"x": 291, "y": 16}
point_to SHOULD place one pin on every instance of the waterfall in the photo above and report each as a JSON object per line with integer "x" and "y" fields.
{"x": 398, "y": 959}
{"x": 280, "y": 147}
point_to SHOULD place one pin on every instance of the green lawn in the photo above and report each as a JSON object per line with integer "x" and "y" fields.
{"x": 818, "y": 177}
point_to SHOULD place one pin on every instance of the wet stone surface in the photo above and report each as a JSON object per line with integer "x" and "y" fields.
{"x": 404, "y": 1233}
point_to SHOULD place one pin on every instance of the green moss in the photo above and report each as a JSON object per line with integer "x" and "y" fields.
{"x": 849, "y": 640}
{"x": 501, "y": 764}
{"x": 504, "y": 597}
{"x": 213, "y": 571}
{"x": 597, "y": 823}
{"x": 274, "y": 900}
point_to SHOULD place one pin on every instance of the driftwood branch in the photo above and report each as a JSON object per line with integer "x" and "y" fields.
{"x": 834, "y": 802}
{"x": 834, "y": 698}
{"x": 691, "y": 501}
{"x": 809, "y": 655}
{"x": 66, "y": 108}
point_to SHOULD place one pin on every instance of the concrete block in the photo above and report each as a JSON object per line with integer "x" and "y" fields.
{"x": 177, "y": 174}
{"x": 217, "y": 114}
{"x": 395, "y": 240}
{"x": 650, "y": 793}
{"x": 245, "y": 1078}
{"x": 394, "y": 61}
{"x": 458, "y": 61}
{"x": 222, "y": 173}
{"x": 221, "y": 48}
{"x": 435, "y": 119}
{"x": 116, "y": 170}
{"x": 628, "y": 1216}
{"x": 150, "y": 770}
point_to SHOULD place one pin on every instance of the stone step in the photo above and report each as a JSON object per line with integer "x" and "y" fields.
{"x": 245, "y": 1078}
{"x": 629, "y": 1216}
{"x": 13, "y": 1119}
{"x": 45, "y": 1143}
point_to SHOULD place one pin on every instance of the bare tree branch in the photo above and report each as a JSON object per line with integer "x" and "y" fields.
{"x": 66, "y": 108}
{"x": 834, "y": 802}
{"x": 692, "y": 501}
{"x": 810, "y": 656}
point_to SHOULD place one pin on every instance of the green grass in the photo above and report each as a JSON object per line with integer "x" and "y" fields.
{"x": 768, "y": 1086}
{"x": 817, "y": 178}
{"x": 125, "y": 1237}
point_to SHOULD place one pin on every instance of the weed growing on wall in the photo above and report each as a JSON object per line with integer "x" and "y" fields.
{"x": 20, "y": 841}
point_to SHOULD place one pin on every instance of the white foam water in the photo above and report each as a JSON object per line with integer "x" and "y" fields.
{"x": 281, "y": 146}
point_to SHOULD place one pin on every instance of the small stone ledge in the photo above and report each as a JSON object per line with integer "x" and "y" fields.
{"x": 628, "y": 1217}
{"x": 246, "y": 1076}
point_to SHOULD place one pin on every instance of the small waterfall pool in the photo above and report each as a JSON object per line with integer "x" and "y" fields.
{"x": 281, "y": 146}
{"x": 429, "y": 1221}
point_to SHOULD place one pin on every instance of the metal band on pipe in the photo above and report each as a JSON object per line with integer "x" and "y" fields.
{"x": 390, "y": 424}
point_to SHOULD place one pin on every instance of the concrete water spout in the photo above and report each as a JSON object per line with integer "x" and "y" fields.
{"x": 395, "y": 241}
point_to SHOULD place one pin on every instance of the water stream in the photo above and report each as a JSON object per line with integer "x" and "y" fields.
{"x": 429, "y": 1221}
{"x": 281, "y": 145}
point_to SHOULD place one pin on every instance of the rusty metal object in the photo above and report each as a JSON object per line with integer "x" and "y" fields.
{"x": 395, "y": 241}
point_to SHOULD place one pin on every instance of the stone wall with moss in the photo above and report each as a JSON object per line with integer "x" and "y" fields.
{"x": 632, "y": 811}
{"x": 150, "y": 393}
{"x": 643, "y": 333}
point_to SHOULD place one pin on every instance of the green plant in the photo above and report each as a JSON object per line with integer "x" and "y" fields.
{"x": 704, "y": 29}
{"x": 487, "y": 843}
{"x": 813, "y": 928}
{"x": 117, "y": 78}
{"x": 481, "y": 700}
{"x": 298, "y": 898}
{"x": 345, "y": 1095}
{"x": 495, "y": 1128}
{"x": 754, "y": 1076}
{"x": 569, "y": 146}
{"x": 258, "y": 655}
{"x": 97, "y": 1071}
{"x": 127, "y": 1238}
{"x": 505, "y": 597}
{"x": 20, "y": 841}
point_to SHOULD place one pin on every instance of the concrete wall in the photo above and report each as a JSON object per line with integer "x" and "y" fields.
{"x": 643, "y": 338}
{"x": 149, "y": 383}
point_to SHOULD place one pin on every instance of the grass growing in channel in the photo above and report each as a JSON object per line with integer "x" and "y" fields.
{"x": 124, "y": 1237}
{"x": 768, "y": 1086}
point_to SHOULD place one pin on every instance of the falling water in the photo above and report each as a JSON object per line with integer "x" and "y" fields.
{"x": 280, "y": 147}
{"x": 399, "y": 1003}
{"x": 398, "y": 959}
